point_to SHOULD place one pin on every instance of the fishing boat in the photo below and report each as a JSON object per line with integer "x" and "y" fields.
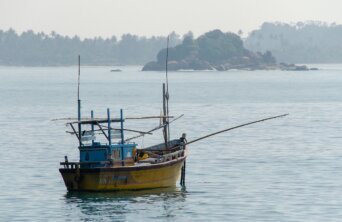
{"x": 118, "y": 163}
{"x": 121, "y": 165}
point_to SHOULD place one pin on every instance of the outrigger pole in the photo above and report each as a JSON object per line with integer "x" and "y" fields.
{"x": 154, "y": 129}
{"x": 235, "y": 127}
{"x": 79, "y": 101}
{"x": 225, "y": 130}
{"x": 182, "y": 181}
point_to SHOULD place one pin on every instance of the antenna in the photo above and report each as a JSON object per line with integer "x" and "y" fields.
{"x": 167, "y": 96}
{"x": 79, "y": 77}
{"x": 166, "y": 63}
{"x": 78, "y": 100}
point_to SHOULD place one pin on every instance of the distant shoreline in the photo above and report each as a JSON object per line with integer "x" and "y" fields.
{"x": 300, "y": 43}
{"x": 320, "y": 66}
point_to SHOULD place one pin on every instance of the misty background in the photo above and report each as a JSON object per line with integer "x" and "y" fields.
{"x": 301, "y": 42}
{"x": 131, "y": 32}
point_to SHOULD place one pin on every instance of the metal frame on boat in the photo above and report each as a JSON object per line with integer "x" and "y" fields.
{"x": 119, "y": 164}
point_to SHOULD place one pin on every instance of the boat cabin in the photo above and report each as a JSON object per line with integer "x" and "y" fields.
{"x": 117, "y": 151}
{"x": 97, "y": 154}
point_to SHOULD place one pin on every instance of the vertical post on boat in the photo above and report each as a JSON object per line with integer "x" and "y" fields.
{"x": 183, "y": 147}
{"x": 122, "y": 136}
{"x": 79, "y": 101}
{"x": 121, "y": 129}
{"x": 92, "y": 127}
{"x": 167, "y": 96}
{"x": 182, "y": 176}
{"x": 182, "y": 181}
{"x": 164, "y": 119}
{"x": 109, "y": 129}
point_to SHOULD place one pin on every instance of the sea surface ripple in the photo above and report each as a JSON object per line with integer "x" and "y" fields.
{"x": 287, "y": 169}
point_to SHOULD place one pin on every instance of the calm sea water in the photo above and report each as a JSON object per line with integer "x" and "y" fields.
{"x": 288, "y": 169}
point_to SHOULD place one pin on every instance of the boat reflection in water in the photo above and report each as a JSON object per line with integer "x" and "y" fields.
{"x": 124, "y": 205}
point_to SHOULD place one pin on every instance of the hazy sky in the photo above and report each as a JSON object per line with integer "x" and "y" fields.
{"x": 88, "y": 18}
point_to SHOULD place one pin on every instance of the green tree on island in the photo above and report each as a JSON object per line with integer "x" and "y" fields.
{"x": 212, "y": 50}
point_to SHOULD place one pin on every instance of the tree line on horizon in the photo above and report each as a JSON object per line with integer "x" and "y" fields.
{"x": 40, "y": 49}
{"x": 302, "y": 42}
{"x": 309, "y": 42}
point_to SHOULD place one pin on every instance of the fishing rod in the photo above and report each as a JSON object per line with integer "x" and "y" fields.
{"x": 225, "y": 130}
{"x": 128, "y": 130}
{"x": 154, "y": 129}
{"x": 235, "y": 127}
{"x": 182, "y": 181}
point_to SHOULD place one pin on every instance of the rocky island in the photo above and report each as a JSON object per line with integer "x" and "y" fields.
{"x": 214, "y": 50}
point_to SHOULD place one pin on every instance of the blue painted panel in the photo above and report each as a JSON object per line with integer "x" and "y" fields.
{"x": 93, "y": 155}
{"x": 125, "y": 150}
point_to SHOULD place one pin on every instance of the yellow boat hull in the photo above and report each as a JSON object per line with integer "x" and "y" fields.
{"x": 123, "y": 178}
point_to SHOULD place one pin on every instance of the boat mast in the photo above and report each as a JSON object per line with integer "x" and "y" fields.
{"x": 164, "y": 118}
{"x": 78, "y": 100}
{"x": 92, "y": 127}
{"x": 122, "y": 127}
{"x": 166, "y": 98}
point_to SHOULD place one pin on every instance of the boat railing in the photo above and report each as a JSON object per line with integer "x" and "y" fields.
{"x": 76, "y": 165}
{"x": 156, "y": 159}
{"x": 91, "y": 164}
{"x": 173, "y": 155}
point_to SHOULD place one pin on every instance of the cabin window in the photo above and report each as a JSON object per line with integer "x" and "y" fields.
{"x": 116, "y": 154}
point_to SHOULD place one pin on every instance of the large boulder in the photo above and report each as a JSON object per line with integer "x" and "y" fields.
{"x": 153, "y": 66}
{"x": 214, "y": 50}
